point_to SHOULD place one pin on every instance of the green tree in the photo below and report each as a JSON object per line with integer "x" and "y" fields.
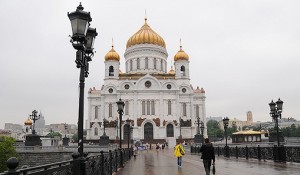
{"x": 213, "y": 129}
{"x": 7, "y": 150}
{"x": 54, "y": 134}
{"x": 75, "y": 137}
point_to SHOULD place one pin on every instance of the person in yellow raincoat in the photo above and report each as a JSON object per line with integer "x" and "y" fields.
{"x": 179, "y": 152}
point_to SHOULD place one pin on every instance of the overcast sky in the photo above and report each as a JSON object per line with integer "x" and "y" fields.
{"x": 243, "y": 53}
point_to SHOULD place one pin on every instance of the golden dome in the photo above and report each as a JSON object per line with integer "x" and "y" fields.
{"x": 172, "y": 72}
{"x": 181, "y": 55}
{"x": 112, "y": 55}
{"x": 146, "y": 36}
{"x": 28, "y": 122}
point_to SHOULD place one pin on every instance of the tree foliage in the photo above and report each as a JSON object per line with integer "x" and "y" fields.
{"x": 213, "y": 129}
{"x": 292, "y": 131}
{"x": 7, "y": 150}
{"x": 54, "y": 134}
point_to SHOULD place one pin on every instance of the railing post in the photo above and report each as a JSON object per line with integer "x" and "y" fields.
{"x": 218, "y": 151}
{"x": 102, "y": 162}
{"x": 236, "y": 152}
{"x": 110, "y": 162}
{"x": 247, "y": 153}
{"x": 76, "y": 164}
{"x": 282, "y": 153}
{"x": 192, "y": 149}
{"x": 275, "y": 153}
{"x": 121, "y": 158}
{"x": 116, "y": 154}
{"x": 258, "y": 152}
{"x": 12, "y": 164}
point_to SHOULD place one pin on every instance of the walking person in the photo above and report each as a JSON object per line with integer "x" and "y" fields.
{"x": 208, "y": 155}
{"x": 179, "y": 152}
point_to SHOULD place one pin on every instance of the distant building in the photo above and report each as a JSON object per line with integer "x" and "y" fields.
{"x": 238, "y": 123}
{"x": 71, "y": 128}
{"x": 13, "y": 127}
{"x": 40, "y": 124}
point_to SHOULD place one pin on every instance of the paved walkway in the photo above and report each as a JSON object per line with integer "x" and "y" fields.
{"x": 164, "y": 163}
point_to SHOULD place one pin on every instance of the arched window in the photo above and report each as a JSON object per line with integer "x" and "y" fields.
{"x": 148, "y": 107}
{"x": 96, "y": 112}
{"x": 126, "y": 108}
{"x": 143, "y": 107}
{"x": 130, "y": 68}
{"x": 152, "y": 107}
{"x": 182, "y": 70}
{"x": 111, "y": 71}
{"x": 169, "y": 107}
{"x": 161, "y": 65}
{"x": 184, "y": 109}
{"x": 96, "y": 131}
{"x": 138, "y": 63}
{"x": 197, "y": 110}
{"x": 146, "y": 63}
{"x": 110, "y": 110}
{"x": 154, "y": 63}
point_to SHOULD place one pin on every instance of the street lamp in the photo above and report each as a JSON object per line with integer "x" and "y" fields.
{"x": 66, "y": 139}
{"x": 128, "y": 130}
{"x": 276, "y": 109}
{"x": 226, "y": 123}
{"x": 202, "y": 130}
{"x": 197, "y": 122}
{"x": 180, "y": 122}
{"x": 121, "y": 105}
{"x": 34, "y": 117}
{"x": 82, "y": 40}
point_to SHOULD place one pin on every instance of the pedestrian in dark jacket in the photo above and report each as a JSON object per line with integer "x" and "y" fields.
{"x": 208, "y": 155}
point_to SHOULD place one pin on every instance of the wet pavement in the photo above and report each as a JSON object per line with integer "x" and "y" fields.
{"x": 164, "y": 163}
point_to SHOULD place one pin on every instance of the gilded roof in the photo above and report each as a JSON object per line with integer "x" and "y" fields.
{"x": 181, "y": 55}
{"x": 171, "y": 72}
{"x": 146, "y": 36}
{"x": 248, "y": 132}
{"x": 28, "y": 122}
{"x": 112, "y": 55}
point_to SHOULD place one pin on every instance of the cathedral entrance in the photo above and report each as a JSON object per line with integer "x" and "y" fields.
{"x": 126, "y": 132}
{"x": 170, "y": 130}
{"x": 148, "y": 132}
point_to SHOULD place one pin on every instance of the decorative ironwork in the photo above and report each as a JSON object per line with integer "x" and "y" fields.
{"x": 283, "y": 153}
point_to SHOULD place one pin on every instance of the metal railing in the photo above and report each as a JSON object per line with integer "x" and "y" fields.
{"x": 278, "y": 154}
{"x": 104, "y": 164}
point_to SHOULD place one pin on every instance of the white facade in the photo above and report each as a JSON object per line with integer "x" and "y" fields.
{"x": 154, "y": 98}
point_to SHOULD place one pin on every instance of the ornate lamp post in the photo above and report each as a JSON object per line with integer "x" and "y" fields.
{"x": 117, "y": 137}
{"x": 82, "y": 40}
{"x": 198, "y": 138}
{"x": 34, "y": 117}
{"x": 180, "y": 123}
{"x": 104, "y": 139}
{"x": 65, "y": 139}
{"x": 226, "y": 123}
{"x": 202, "y": 131}
{"x": 128, "y": 130}
{"x": 276, "y": 109}
{"x": 121, "y": 105}
{"x": 33, "y": 139}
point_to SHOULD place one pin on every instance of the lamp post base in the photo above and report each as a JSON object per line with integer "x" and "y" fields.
{"x": 66, "y": 141}
{"x": 104, "y": 140}
{"x": 33, "y": 140}
{"x": 198, "y": 138}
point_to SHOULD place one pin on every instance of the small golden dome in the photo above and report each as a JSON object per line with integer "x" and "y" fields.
{"x": 181, "y": 55}
{"x": 146, "y": 36}
{"x": 172, "y": 72}
{"x": 112, "y": 55}
{"x": 28, "y": 122}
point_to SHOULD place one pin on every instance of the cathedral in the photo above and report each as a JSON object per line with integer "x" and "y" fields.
{"x": 160, "y": 104}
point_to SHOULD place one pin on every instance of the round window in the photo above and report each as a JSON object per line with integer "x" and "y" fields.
{"x": 110, "y": 90}
{"x": 148, "y": 84}
{"x": 126, "y": 86}
{"x": 183, "y": 90}
{"x": 169, "y": 86}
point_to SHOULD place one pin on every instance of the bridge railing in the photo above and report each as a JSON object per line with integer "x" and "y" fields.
{"x": 278, "y": 154}
{"x": 104, "y": 164}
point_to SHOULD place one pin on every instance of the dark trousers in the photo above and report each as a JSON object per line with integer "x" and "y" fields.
{"x": 207, "y": 164}
{"x": 179, "y": 160}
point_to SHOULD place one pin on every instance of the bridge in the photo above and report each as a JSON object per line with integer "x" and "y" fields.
{"x": 152, "y": 162}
